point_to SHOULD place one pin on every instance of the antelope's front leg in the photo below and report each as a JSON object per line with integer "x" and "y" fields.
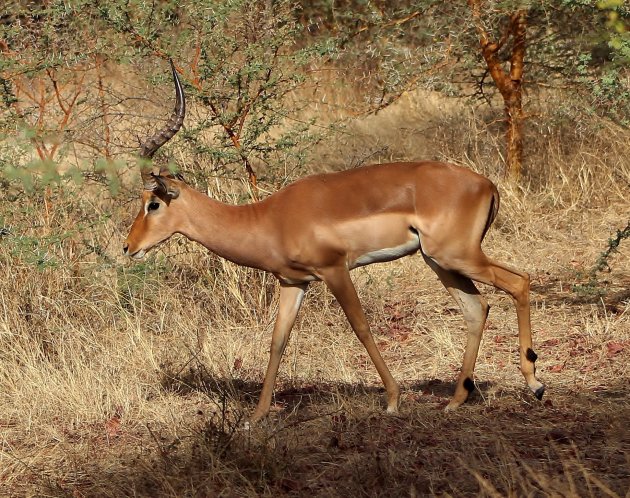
{"x": 338, "y": 281}
{"x": 290, "y": 301}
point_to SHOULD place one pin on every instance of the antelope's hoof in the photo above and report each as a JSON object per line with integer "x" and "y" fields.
{"x": 453, "y": 405}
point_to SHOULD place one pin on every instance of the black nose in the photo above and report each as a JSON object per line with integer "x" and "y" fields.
{"x": 125, "y": 248}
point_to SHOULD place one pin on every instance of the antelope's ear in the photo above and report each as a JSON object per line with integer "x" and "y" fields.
{"x": 166, "y": 187}
{"x": 160, "y": 185}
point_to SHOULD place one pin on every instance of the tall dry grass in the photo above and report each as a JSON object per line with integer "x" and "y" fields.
{"x": 121, "y": 378}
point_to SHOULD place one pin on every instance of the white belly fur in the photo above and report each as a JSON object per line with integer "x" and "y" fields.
{"x": 387, "y": 254}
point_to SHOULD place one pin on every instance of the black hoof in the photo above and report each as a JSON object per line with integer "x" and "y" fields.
{"x": 539, "y": 392}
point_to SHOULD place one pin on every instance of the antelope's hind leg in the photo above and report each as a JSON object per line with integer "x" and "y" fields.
{"x": 516, "y": 284}
{"x": 475, "y": 311}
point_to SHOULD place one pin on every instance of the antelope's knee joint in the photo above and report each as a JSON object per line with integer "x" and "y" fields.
{"x": 469, "y": 385}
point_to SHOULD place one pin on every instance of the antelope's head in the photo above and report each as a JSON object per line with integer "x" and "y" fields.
{"x": 157, "y": 219}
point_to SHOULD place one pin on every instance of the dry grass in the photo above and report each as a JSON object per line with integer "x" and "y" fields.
{"x": 105, "y": 392}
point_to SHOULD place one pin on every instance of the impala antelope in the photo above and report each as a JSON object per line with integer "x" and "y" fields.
{"x": 323, "y": 226}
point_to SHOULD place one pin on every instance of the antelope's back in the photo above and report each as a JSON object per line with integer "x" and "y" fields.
{"x": 382, "y": 188}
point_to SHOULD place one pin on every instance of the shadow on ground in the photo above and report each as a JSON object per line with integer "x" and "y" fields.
{"x": 335, "y": 440}
{"x": 298, "y": 398}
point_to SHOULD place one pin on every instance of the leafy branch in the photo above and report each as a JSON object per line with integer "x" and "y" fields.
{"x": 601, "y": 264}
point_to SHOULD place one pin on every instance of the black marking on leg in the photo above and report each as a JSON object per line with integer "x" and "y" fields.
{"x": 469, "y": 385}
{"x": 539, "y": 392}
{"x": 530, "y": 355}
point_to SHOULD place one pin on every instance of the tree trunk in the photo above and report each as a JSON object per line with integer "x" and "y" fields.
{"x": 509, "y": 83}
{"x": 514, "y": 137}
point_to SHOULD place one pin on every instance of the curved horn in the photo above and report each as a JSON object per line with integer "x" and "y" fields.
{"x": 151, "y": 145}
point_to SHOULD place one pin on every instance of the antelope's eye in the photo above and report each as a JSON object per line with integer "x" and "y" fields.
{"x": 153, "y": 206}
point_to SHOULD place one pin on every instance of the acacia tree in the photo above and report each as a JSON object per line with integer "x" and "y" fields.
{"x": 565, "y": 45}
{"x": 508, "y": 80}
{"x": 481, "y": 49}
{"x": 415, "y": 45}
{"x": 240, "y": 63}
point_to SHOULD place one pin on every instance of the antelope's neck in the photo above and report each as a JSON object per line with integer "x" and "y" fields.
{"x": 236, "y": 233}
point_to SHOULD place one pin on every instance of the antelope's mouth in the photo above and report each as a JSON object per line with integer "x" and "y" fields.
{"x": 141, "y": 253}
{"x": 138, "y": 254}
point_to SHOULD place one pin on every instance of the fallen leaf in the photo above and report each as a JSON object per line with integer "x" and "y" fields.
{"x": 615, "y": 347}
{"x": 112, "y": 426}
{"x": 551, "y": 342}
{"x": 396, "y": 331}
{"x": 277, "y": 407}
